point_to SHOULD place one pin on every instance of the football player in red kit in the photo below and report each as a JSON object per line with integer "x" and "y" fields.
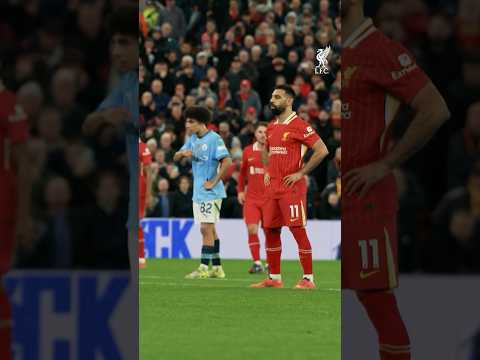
{"x": 378, "y": 75}
{"x": 253, "y": 199}
{"x": 288, "y": 138}
{"x": 15, "y": 224}
{"x": 144, "y": 195}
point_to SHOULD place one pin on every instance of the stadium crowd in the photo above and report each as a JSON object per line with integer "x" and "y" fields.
{"x": 229, "y": 56}
{"x": 56, "y": 58}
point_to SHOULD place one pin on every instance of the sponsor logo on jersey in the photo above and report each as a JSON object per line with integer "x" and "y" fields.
{"x": 346, "y": 112}
{"x": 250, "y": 159}
{"x": 367, "y": 274}
{"x": 405, "y": 60}
{"x": 278, "y": 150}
{"x": 309, "y": 131}
{"x": 396, "y": 75}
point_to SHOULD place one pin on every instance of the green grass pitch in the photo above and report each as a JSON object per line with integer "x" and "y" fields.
{"x": 223, "y": 319}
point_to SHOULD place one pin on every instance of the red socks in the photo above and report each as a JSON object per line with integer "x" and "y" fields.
{"x": 254, "y": 245}
{"x": 5, "y": 327}
{"x": 273, "y": 247}
{"x": 381, "y": 307}
{"x": 304, "y": 248}
{"x": 141, "y": 244}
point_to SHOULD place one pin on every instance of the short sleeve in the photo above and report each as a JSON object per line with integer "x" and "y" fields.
{"x": 17, "y": 125}
{"x": 398, "y": 73}
{"x": 187, "y": 145}
{"x": 221, "y": 150}
{"x": 307, "y": 135}
{"x": 113, "y": 100}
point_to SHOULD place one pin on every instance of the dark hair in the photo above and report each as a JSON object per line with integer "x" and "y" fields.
{"x": 260, "y": 123}
{"x": 199, "y": 113}
{"x": 124, "y": 21}
{"x": 288, "y": 90}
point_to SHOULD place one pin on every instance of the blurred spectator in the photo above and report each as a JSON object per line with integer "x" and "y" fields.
{"x": 181, "y": 206}
{"x": 463, "y": 148}
{"x": 162, "y": 207}
{"x": 456, "y": 223}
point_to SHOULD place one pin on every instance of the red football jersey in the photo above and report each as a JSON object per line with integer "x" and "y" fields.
{"x": 252, "y": 171}
{"x": 145, "y": 160}
{"x": 378, "y": 75}
{"x": 13, "y": 130}
{"x": 287, "y": 143}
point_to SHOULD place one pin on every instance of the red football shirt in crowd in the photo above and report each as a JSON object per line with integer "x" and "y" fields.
{"x": 145, "y": 160}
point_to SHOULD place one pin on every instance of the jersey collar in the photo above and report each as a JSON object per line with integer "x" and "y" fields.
{"x": 362, "y": 31}
{"x": 288, "y": 120}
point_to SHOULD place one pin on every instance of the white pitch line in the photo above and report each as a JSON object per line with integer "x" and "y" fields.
{"x": 227, "y": 279}
{"x": 176, "y": 284}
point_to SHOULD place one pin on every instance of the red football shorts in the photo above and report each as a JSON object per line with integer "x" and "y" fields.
{"x": 252, "y": 211}
{"x": 369, "y": 252}
{"x": 7, "y": 233}
{"x": 289, "y": 209}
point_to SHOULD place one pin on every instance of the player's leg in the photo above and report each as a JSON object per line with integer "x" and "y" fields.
{"x": 272, "y": 222}
{"x": 7, "y": 231}
{"x": 252, "y": 215}
{"x": 5, "y": 325}
{"x": 369, "y": 266}
{"x": 294, "y": 214}
{"x": 141, "y": 239}
{"x": 382, "y": 310}
{"x": 207, "y": 214}
{"x": 217, "y": 270}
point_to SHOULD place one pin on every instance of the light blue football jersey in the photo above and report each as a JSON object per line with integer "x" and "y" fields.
{"x": 125, "y": 95}
{"x": 207, "y": 151}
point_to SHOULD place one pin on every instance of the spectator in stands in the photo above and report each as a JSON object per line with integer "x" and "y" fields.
{"x": 162, "y": 207}
{"x": 247, "y": 97}
{"x": 463, "y": 148}
{"x": 174, "y": 15}
{"x": 181, "y": 199}
{"x": 457, "y": 227}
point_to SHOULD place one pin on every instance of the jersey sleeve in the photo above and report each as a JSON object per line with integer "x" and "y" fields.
{"x": 17, "y": 126}
{"x": 113, "y": 100}
{"x": 398, "y": 73}
{"x": 220, "y": 149}
{"x": 307, "y": 135}
{"x": 243, "y": 171}
{"x": 187, "y": 145}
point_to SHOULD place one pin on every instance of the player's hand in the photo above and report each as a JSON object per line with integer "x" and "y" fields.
{"x": 291, "y": 179}
{"x": 361, "y": 180}
{"x": 209, "y": 184}
{"x": 333, "y": 199}
{"x": 116, "y": 116}
{"x": 266, "y": 179}
{"x": 241, "y": 198}
{"x": 462, "y": 225}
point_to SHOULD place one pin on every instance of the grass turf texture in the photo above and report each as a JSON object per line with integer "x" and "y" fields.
{"x": 226, "y": 320}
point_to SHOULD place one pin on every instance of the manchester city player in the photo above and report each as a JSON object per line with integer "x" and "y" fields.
{"x": 206, "y": 150}
{"x": 120, "y": 109}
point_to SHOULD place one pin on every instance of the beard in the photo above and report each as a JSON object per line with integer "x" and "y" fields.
{"x": 344, "y": 6}
{"x": 276, "y": 110}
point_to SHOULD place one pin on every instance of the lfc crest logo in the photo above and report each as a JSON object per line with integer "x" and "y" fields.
{"x": 322, "y": 68}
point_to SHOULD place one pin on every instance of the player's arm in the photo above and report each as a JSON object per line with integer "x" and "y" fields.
{"x": 94, "y": 121}
{"x": 431, "y": 112}
{"x": 241, "y": 179}
{"x": 180, "y": 154}
{"x": 148, "y": 184}
{"x": 224, "y": 165}
{"x": 320, "y": 151}
{"x": 265, "y": 153}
